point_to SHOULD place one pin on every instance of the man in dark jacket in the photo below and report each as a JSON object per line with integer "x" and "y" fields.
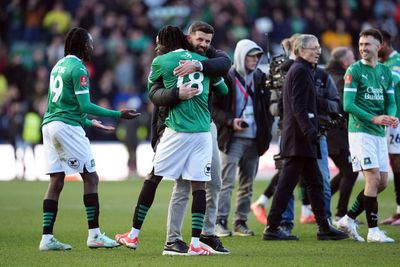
{"x": 218, "y": 64}
{"x": 338, "y": 140}
{"x": 244, "y": 131}
{"x": 299, "y": 143}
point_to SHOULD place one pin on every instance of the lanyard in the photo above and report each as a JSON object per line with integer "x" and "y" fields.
{"x": 241, "y": 88}
{"x": 245, "y": 93}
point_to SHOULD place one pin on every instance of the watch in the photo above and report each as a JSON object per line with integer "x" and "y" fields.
{"x": 198, "y": 65}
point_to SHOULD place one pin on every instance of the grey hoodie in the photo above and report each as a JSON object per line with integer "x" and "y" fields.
{"x": 243, "y": 47}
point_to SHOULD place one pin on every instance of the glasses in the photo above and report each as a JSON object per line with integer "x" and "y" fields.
{"x": 315, "y": 49}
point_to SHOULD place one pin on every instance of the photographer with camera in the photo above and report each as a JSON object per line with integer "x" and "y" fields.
{"x": 300, "y": 144}
{"x": 278, "y": 68}
{"x": 338, "y": 140}
{"x": 244, "y": 131}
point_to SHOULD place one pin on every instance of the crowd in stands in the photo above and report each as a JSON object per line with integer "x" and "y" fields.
{"x": 32, "y": 37}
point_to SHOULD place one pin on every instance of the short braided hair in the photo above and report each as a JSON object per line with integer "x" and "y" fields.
{"x": 171, "y": 38}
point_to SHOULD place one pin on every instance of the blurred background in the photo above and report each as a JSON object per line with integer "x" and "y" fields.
{"x": 32, "y": 41}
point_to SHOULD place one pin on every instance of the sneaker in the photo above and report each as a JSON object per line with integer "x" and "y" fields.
{"x": 391, "y": 219}
{"x": 335, "y": 220}
{"x": 348, "y": 226}
{"x": 379, "y": 237}
{"x": 101, "y": 241}
{"x": 221, "y": 229}
{"x": 176, "y": 248}
{"x": 125, "y": 240}
{"x": 286, "y": 227}
{"x": 241, "y": 229}
{"x": 200, "y": 251}
{"x": 53, "y": 244}
{"x": 259, "y": 212}
{"x": 213, "y": 244}
{"x": 310, "y": 219}
{"x": 331, "y": 234}
{"x": 277, "y": 234}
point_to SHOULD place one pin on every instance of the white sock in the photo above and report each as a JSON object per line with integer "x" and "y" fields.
{"x": 94, "y": 232}
{"x": 306, "y": 210}
{"x": 373, "y": 230}
{"x": 195, "y": 242}
{"x": 262, "y": 200}
{"x": 398, "y": 209}
{"x": 46, "y": 238}
{"x": 134, "y": 233}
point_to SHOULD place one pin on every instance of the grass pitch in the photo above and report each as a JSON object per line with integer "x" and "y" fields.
{"x": 21, "y": 220}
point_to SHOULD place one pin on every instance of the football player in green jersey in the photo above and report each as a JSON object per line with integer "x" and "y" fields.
{"x": 185, "y": 147}
{"x": 67, "y": 149}
{"x": 391, "y": 58}
{"x": 369, "y": 100}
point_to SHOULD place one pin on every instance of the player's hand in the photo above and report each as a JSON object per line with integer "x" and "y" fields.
{"x": 237, "y": 124}
{"x": 186, "y": 92}
{"x": 395, "y": 122}
{"x": 185, "y": 67}
{"x": 384, "y": 120}
{"x": 97, "y": 124}
{"x": 129, "y": 114}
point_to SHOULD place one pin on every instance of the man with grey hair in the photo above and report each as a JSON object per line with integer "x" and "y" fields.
{"x": 299, "y": 143}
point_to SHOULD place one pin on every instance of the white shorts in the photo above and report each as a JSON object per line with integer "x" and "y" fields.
{"x": 393, "y": 139}
{"x": 368, "y": 152}
{"x": 186, "y": 154}
{"x": 66, "y": 148}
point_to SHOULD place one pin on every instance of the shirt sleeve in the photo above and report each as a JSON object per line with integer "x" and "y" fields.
{"x": 80, "y": 80}
{"x": 351, "y": 82}
{"x": 219, "y": 85}
{"x": 154, "y": 74}
{"x": 391, "y": 107}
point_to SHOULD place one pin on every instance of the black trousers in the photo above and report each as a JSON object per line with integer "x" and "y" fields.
{"x": 293, "y": 168}
{"x": 343, "y": 181}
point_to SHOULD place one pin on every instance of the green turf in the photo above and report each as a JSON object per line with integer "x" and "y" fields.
{"x": 20, "y": 231}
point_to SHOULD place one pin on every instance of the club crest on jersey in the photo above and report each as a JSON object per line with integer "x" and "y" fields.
{"x": 207, "y": 169}
{"x": 348, "y": 79}
{"x": 73, "y": 163}
{"x": 83, "y": 80}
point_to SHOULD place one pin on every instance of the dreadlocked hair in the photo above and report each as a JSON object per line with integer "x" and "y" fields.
{"x": 75, "y": 43}
{"x": 171, "y": 38}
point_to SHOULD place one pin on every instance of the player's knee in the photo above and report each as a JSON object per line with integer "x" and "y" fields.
{"x": 56, "y": 182}
{"x": 151, "y": 177}
{"x": 90, "y": 179}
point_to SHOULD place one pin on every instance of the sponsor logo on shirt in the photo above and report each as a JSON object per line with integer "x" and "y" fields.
{"x": 83, "y": 80}
{"x": 348, "y": 79}
{"x": 374, "y": 94}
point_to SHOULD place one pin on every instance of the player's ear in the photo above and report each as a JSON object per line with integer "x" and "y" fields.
{"x": 189, "y": 37}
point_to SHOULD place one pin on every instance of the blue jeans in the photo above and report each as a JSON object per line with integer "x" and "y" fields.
{"x": 288, "y": 215}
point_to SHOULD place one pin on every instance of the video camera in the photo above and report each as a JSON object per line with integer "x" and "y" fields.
{"x": 333, "y": 121}
{"x": 276, "y": 74}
